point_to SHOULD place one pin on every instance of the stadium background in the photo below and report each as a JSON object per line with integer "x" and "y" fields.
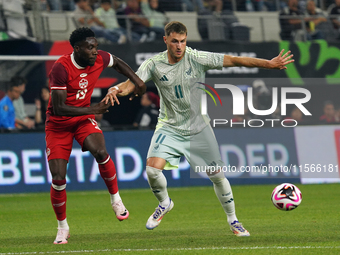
{"x": 23, "y": 165}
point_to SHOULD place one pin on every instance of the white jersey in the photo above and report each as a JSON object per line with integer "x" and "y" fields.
{"x": 178, "y": 87}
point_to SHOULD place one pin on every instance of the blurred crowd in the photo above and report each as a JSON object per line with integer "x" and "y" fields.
{"x": 146, "y": 23}
{"x": 13, "y": 114}
{"x": 304, "y": 20}
{"x": 188, "y": 5}
{"x": 299, "y": 19}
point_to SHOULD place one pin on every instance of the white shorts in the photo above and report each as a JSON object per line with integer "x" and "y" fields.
{"x": 200, "y": 149}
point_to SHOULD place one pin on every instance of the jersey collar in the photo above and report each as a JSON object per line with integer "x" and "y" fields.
{"x": 75, "y": 63}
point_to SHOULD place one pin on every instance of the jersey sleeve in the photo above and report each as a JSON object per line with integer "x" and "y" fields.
{"x": 208, "y": 60}
{"x": 144, "y": 72}
{"x": 58, "y": 77}
{"x": 107, "y": 58}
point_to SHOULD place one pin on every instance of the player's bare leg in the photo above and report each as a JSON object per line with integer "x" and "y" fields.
{"x": 58, "y": 198}
{"x": 95, "y": 143}
{"x": 225, "y": 196}
{"x": 158, "y": 185}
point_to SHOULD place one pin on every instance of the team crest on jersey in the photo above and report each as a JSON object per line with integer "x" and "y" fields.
{"x": 188, "y": 73}
{"x": 83, "y": 83}
{"x": 156, "y": 148}
{"x": 83, "y": 75}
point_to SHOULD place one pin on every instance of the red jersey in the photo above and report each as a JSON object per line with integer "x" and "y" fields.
{"x": 78, "y": 81}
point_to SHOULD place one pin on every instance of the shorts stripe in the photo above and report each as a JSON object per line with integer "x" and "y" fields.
{"x": 162, "y": 139}
{"x": 160, "y": 135}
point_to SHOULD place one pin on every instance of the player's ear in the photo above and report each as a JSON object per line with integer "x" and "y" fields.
{"x": 164, "y": 38}
{"x": 76, "y": 48}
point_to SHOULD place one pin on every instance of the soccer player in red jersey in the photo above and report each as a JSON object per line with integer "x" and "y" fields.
{"x": 69, "y": 115}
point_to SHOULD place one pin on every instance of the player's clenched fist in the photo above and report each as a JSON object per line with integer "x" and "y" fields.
{"x": 101, "y": 107}
{"x": 139, "y": 90}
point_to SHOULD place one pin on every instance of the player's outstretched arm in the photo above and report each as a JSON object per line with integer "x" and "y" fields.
{"x": 122, "y": 89}
{"x": 123, "y": 68}
{"x": 62, "y": 109}
{"x": 279, "y": 62}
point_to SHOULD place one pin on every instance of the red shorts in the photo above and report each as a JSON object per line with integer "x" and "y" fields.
{"x": 60, "y": 134}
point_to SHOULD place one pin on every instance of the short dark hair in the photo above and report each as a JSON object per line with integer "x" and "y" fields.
{"x": 18, "y": 80}
{"x": 80, "y": 35}
{"x": 175, "y": 26}
{"x": 12, "y": 84}
{"x": 106, "y": 1}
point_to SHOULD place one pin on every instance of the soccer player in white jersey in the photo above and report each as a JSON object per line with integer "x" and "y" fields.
{"x": 179, "y": 124}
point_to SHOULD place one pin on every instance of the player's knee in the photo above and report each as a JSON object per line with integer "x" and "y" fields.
{"x": 217, "y": 177}
{"x": 156, "y": 162}
{"x": 58, "y": 175}
{"x": 58, "y": 168}
{"x": 152, "y": 172}
{"x": 100, "y": 155}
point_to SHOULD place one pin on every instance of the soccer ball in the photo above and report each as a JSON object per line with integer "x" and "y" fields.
{"x": 286, "y": 197}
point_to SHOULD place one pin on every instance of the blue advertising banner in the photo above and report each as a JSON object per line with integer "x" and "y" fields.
{"x": 265, "y": 155}
{"x": 24, "y": 167}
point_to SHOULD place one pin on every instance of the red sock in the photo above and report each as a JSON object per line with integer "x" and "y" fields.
{"x": 107, "y": 171}
{"x": 58, "y": 198}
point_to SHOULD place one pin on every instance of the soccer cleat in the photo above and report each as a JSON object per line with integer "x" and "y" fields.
{"x": 158, "y": 215}
{"x": 121, "y": 212}
{"x": 238, "y": 229}
{"x": 62, "y": 236}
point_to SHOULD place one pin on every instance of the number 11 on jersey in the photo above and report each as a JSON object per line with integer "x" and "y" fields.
{"x": 178, "y": 91}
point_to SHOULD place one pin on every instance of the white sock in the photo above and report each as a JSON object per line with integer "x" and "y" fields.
{"x": 158, "y": 183}
{"x": 225, "y": 195}
{"x": 115, "y": 197}
{"x": 63, "y": 224}
{"x": 165, "y": 203}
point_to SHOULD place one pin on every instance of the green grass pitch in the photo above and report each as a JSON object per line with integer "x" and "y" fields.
{"x": 196, "y": 225}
